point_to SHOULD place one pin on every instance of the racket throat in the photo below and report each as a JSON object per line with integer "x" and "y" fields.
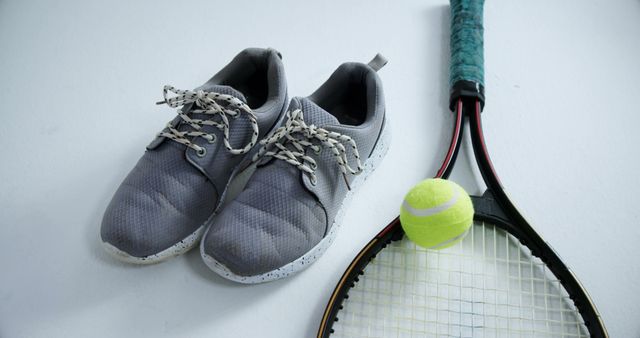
{"x": 487, "y": 207}
{"x": 467, "y": 91}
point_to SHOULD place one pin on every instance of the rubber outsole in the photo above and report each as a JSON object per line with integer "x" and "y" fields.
{"x": 178, "y": 249}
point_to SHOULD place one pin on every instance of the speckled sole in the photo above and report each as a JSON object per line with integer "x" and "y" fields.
{"x": 380, "y": 150}
{"x": 177, "y": 249}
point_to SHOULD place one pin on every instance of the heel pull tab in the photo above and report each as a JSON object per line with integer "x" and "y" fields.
{"x": 378, "y": 62}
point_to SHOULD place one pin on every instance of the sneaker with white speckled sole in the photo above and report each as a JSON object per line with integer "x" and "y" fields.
{"x": 306, "y": 172}
{"x": 162, "y": 207}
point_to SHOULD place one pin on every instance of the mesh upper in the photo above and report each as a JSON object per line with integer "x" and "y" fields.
{"x": 280, "y": 216}
{"x": 172, "y": 192}
{"x": 163, "y": 198}
{"x": 274, "y": 220}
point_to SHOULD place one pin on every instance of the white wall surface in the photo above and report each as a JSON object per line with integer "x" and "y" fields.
{"x": 78, "y": 80}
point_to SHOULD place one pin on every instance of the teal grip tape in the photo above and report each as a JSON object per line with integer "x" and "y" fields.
{"x": 467, "y": 57}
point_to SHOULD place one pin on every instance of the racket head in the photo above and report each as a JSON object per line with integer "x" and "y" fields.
{"x": 486, "y": 286}
{"x": 391, "y": 280}
{"x": 503, "y": 279}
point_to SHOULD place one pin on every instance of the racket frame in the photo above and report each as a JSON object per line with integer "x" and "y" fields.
{"x": 493, "y": 206}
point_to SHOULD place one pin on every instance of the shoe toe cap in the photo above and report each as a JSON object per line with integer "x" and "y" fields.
{"x": 256, "y": 236}
{"x": 152, "y": 211}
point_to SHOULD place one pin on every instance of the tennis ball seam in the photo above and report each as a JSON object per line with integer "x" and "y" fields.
{"x": 450, "y": 241}
{"x": 426, "y": 212}
{"x": 445, "y": 217}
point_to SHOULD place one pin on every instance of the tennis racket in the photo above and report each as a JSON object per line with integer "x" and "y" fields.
{"x": 502, "y": 280}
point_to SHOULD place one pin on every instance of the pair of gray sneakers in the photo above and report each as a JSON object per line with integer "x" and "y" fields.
{"x": 261, "y": 182}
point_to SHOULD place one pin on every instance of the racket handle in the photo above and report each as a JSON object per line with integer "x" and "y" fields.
{"x": 466, "y": 71}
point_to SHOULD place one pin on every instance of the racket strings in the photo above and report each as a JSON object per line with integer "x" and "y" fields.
{"x": 487, "y": 286}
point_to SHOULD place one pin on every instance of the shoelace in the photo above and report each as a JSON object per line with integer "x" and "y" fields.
{"x": 211, "y": 103}
{"x": 288, "y": 143}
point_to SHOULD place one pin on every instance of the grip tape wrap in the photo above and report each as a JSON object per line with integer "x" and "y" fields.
{"x": 466, "y": 72}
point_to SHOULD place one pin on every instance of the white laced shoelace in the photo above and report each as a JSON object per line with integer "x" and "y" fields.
{"x": 289, "y": 142}
{"x": 210, "y": 103}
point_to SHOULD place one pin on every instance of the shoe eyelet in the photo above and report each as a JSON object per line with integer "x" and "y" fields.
{"x": 313, "y": 181}
{"x": 212, "y": 139}
{"x": 317, "y": 151}
{"x": 201, "y": 152}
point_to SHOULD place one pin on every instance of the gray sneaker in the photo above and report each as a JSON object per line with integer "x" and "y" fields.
{"x": 306, "y": 171}
{"x": 163, "y": 205}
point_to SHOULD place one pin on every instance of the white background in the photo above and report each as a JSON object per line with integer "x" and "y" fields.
{"x": 78, "y": 80}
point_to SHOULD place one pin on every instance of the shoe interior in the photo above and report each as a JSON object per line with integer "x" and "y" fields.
{"x": 254, "y": 72}
{"x": 253, "y": 84}
{"x": 349, "y": 94}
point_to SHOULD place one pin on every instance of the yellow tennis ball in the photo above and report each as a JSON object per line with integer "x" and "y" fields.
{"x": 436, "y": 213}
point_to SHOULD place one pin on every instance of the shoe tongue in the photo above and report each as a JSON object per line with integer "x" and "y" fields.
{"x": 226, "y": 90}
{"x": 313, "y": 114}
